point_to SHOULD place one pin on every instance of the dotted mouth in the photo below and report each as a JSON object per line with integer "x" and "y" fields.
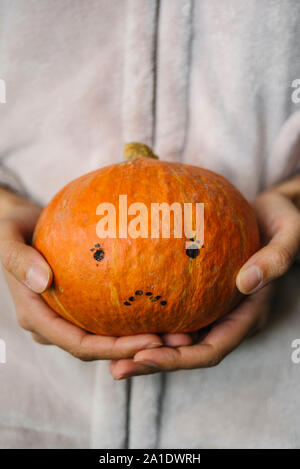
{"x": 139, "y": 294}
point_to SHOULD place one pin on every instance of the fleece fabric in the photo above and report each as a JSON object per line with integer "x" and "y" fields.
{"x": 205, "y": 82}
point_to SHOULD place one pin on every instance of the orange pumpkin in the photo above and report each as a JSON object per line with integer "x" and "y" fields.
{"x": 123, "y": 286}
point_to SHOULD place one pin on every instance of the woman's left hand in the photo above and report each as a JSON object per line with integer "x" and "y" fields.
{"x": 278, "y": 216}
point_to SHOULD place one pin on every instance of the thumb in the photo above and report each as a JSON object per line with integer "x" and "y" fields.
{"x": 25, "y": 263}
{"x": 280, "y": 221}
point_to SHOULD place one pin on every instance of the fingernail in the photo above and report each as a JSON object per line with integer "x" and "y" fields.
{"x": 146, "y": 363}
{"x": 153, "y": 345}
{"x": 37, "y": 278}
{"x": 118, "y": 377}
{"x": 249, "y": 279}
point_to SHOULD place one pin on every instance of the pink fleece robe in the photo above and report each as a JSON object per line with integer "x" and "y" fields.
{"x": 207, "y": 83}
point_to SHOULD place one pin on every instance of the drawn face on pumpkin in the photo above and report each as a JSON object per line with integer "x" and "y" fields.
{"x": 123, "y": 286}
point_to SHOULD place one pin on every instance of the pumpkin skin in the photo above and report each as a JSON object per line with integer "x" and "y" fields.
{"x": 128, "y": 286}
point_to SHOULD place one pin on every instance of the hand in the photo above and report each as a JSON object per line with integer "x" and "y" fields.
{"x": 279, "y": 221}
{"x": 28, "y": 274}
{"x": 220, "y": 339}
{"x": 278, "y": 216}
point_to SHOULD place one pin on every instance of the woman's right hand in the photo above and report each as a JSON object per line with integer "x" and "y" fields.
{"x": 28, "y": 274}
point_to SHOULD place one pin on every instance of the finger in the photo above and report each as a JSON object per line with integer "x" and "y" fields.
{"x": 221, "y": 340}
{"x": 279, "y": 220}
{"x": 122, "y": 369}
{"x": 40, "y": 339}
{"x": 25, "y": 263}
{"x": 82, "y": 344}
{"x": 290, "y": 189}
{"x": 176, "y": 340}
{"x": 35, "y": 315}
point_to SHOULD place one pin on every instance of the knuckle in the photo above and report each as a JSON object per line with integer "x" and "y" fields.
{"x": 173, "y": 358}
{"x": 282, "y": 259}
{"x": 38, "y": 339}
{"x": 10, "y": 258}
{"x": 215, "y": 359}
{"x": 81, "y": 354}
{"x": 263, "y": 321}
{"x": 24, "y": 324}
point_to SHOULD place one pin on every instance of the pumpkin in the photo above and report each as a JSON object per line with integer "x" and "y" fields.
{"x": 127, "y": 285}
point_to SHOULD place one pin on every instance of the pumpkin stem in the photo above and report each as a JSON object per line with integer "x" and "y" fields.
{"x": 136, "y": 150}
